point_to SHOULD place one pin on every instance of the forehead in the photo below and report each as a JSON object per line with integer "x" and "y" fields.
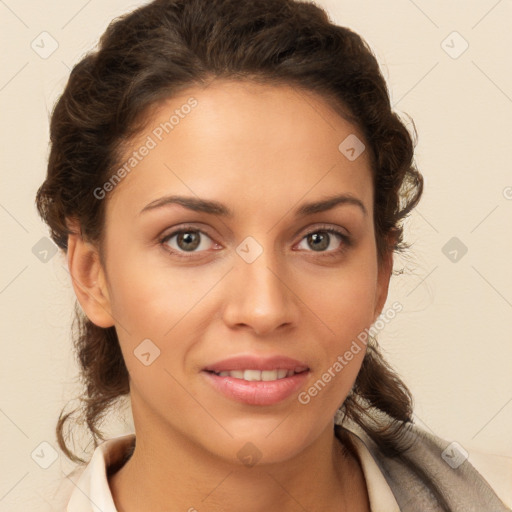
{"x": 246, "y": 141}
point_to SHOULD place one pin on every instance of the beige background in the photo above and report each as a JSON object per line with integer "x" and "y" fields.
{"x": 452, "y": 343}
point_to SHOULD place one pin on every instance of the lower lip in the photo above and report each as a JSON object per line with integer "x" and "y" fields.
{"x": 257, "y": 392}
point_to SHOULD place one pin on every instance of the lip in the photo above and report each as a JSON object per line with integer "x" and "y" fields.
{"x": 256, "y": 392}
{"x": 251, "y": 362}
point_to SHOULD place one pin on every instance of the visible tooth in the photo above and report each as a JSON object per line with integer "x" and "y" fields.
{"x": 257, "y": 375}
{"x": 269, "y": 375}
{"x": 252, "y": 375}
{"x": 281, "y": 374}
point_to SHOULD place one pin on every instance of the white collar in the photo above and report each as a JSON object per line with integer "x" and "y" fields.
{"x": 92, "y": 493}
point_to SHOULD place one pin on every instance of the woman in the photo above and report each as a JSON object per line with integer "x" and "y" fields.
{"x": 228, "y": 181}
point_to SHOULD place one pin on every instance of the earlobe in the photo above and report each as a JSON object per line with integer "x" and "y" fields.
{"x": 88, "y": 280}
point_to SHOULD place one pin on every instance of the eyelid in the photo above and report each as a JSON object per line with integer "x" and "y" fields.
{"x": 162, "y": 240}
{"x": 329, "y": 228}
{"x": 326, "y": 227}
{"x": 346, "y": 240}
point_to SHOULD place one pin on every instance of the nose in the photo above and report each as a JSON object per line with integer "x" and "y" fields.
{"x": 261, "y": 296}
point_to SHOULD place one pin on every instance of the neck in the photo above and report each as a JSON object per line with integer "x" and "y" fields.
{"x": 170, "y": 469}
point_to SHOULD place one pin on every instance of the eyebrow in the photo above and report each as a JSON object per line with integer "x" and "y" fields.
{"x": 217, "y": 208}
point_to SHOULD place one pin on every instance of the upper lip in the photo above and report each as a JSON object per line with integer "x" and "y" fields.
{"x": 251, "y": 362}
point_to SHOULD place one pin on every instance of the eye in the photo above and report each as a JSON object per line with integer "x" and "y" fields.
{"x": 192, "y": 240}
{"x": 186, "y": 240}
{"x": 321, "y": 239}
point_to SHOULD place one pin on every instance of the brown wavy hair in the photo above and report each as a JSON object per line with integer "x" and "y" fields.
{"x": 167, "y": 46}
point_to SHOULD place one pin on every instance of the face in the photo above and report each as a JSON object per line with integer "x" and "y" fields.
{"x": 255, "y": 273}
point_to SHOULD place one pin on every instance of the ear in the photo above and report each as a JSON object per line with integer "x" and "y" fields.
{"x": 383, "y": 278}
{"x": 88, "y": 278}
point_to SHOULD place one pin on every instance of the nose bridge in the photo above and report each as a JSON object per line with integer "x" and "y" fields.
{"x": 260, "y": 298}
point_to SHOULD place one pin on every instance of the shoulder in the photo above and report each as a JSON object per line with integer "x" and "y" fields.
{"x": 439, "y": 474}
{"x": 475, "y": 474}
{"x": 67, "y": 485}
{"x": 88, "y": 483}
{"x": 496, "y": 470}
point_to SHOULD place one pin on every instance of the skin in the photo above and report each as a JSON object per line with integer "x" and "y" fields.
{"x": 262, "y": 151}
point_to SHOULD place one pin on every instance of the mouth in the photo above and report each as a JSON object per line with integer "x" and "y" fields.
{"x": 257, "y": 387}
{"x": 254, "y": 375}
{"x": 255, "y": 380}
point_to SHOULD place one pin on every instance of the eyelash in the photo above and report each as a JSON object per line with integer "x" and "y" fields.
{"x": 345, "y": 239}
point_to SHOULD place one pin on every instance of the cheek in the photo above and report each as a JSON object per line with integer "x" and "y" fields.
{"x": 159, "y": 313}
{"x": 346, "y": 308}
{"x": 345, "y": 302}
{"x": 146, "y": 299}
{"x": 345, "y": 305}
{"x": 348, "y": 316}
